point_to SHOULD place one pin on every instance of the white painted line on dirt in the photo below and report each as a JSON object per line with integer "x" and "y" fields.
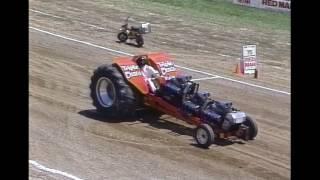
{"x": 201, "y": 72}
{"x": 51, "y": 15}
{"x": 36, "y": 11}
{"x": 229, "y": 79}
{"x": 92, "y": 25}
{"x": 224, "y": 55}
{"x": 121, "y": 52}
{"x": 205, "y": 78}
{"x": 54, "y": 171}
{"x": 83, "y": 42}
{"x": 254, "y": 85}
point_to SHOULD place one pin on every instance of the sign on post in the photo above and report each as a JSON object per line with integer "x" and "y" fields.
{"x": 248, "y": 61}
{"x": 278, "y": 5}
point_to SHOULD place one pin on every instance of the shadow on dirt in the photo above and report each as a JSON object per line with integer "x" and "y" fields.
{"x": 93, "y": 114}
{"x": 223, "y": 142}
{"x": 219, "y": 142}
{"x": 129, "y": 44}
{"x": 132, "y": 44}
{"x": 144, "y": 117}
{"x": 161, "y": 123}
{"x": 155, "y": 121}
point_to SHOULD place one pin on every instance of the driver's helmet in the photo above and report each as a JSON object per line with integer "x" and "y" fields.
{"x": 141, "y": 61}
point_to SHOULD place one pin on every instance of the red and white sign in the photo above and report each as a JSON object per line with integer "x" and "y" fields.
{"x": 249, "y": 61}
{"x": 280, "y": 5}
{"x": 166, "y": 67}
{"x": 131, "y": 71}
{"x": 276, "y": 4}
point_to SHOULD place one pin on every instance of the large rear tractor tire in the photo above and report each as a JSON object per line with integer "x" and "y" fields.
{"x": 253, "y": 127}
{"x": 111, "y": 94}
{"x": 204, "y": 135}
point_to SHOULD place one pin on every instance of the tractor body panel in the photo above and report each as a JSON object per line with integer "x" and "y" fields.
{"x": 132, "y": 73}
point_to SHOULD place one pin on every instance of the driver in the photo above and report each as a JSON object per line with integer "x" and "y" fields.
{"x": 149, "y": 73}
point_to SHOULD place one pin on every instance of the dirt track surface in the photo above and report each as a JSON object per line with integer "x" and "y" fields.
{"x": 67, "y": 135}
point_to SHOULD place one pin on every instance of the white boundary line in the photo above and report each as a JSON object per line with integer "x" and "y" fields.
{"x": 229, "y": 79}
{"x": 59, "y": 17}
{"x": 36, "y": 11}
{"x": 91, "y": 25}
{"x": 205, "y": 78}
{"x": 121, "y": 52}
{"x": 54, "y": 171}
{"x": 224, "y": 55}
{"x": 83, "y": 42}
{"x": 194, "y": 70}
{"x": 254, "y": 85}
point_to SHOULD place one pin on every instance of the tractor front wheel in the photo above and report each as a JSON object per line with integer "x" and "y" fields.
{"x": 204, "y": 135}
{"x": 253, "y": 127}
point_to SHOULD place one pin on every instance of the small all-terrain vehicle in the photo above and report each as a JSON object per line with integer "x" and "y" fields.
{"x": 119, "y": 89}
{"x": 134, "y": 32}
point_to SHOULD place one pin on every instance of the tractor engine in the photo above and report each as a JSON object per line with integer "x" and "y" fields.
{"x": 190, "y": 108}
{"x": 233, "y": 120}
{"x": 224, "y": 115}
{"x": 172, "y": 91}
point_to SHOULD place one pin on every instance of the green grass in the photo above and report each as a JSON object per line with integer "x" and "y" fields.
{"x": 225, "y": 12}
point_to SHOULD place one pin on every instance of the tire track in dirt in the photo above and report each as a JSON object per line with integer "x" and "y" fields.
{"x": 170, "y": 153}
{"x": 249, "y": 151}
{"x": 47, "y": 82}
